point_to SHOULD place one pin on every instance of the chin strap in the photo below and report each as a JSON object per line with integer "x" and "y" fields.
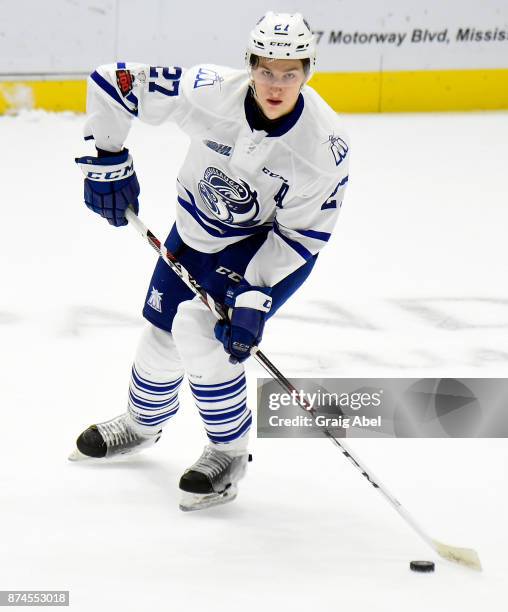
{"x": 252, "y": 87}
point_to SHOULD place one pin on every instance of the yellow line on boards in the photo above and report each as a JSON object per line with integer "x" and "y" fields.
{"x": 354, "y": 92}
{"x": 47, "y": 95}
{"x": 414, "y": 91}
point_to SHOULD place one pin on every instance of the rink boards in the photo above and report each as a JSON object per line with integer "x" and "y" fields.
{"x": 363, "y": 92}
{"x": 394, "y": 56}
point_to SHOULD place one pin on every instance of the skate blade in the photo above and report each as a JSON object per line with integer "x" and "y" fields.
{"x": 76, "y": 455}
{"x": 190, "y": 502}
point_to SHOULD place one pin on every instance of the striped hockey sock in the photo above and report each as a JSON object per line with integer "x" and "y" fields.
{"x": 223, "y": 409}
{"x": 152, "y": 403}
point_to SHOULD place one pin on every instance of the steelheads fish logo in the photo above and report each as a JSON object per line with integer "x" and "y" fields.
{"x": 230, "y": 201}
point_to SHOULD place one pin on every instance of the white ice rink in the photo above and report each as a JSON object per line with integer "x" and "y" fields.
{"x": 412, "y": 284}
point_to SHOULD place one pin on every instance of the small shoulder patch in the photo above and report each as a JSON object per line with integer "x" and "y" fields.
{"x": 206, "y": 77}
{"x": 338, "y": 148}
{"x": 124, "y": 79}
{"x": 218, "y": 148}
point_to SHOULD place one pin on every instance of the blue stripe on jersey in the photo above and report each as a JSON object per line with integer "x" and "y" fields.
{"x": 188, "y": 207}
{"x": 110, "y": 90}
{"x": 226, "y": 233}
{"x": 299, "y": 248}
{"x": 325, "y": 236}
{"x": 133, "y": 99}
{"x": 223, "y": 230}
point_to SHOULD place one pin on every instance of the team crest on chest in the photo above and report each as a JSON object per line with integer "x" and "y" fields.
{"x": 231, "y": 201}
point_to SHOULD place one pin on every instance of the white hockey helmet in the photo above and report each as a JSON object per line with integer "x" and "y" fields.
{"x": 283, "y": 36}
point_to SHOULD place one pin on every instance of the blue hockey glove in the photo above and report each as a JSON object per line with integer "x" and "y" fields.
{"x": 111, "y": 185}
{"x": 250, "y": 305}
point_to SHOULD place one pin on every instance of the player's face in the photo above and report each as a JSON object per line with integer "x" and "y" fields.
{"x": 277, "y": 84}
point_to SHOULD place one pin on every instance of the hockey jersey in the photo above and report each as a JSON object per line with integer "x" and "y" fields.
{"x": 235, "y": 180}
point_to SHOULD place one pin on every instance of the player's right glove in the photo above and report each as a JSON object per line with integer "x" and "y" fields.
{"x": 111, "y": 185}
{"x": 249, "y": 308}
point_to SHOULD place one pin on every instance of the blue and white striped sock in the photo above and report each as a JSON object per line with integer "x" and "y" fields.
{"x": 152, "y": 403}
{"x": 223, "y": 409}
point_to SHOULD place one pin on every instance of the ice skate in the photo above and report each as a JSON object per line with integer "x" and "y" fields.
{"x": 213, "y": 479}
{"x": 110, "y": 439}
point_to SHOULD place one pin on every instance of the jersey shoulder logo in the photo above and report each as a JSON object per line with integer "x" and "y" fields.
{"x": 233, "y": 202}
{"x": 338, "y": 147}
{"x": 155, "y": 300}
{"x": 124, "y": 80}
{"x": 206, "y": 77}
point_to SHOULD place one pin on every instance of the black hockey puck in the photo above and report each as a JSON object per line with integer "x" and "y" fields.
{"x": 422, "y": 566}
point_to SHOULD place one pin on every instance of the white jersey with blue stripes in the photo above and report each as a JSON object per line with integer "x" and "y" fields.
{"x": 235, "y": 181}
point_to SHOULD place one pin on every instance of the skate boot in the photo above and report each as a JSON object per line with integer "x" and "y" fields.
{"x": 213, "y": 479}
{"x": 111, "y": 439}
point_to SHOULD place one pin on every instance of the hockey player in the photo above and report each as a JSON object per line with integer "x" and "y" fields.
{"x": 258, "y": 196}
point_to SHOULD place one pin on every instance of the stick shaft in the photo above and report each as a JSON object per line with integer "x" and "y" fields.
{"x": 220, "y": 313}
{"x": 216, "y": 308}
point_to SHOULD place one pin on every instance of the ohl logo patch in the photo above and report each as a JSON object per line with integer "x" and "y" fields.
{"x": 230, "y": 201}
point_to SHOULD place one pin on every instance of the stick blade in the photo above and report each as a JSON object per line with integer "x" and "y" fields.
{"x": 464, "y": 556}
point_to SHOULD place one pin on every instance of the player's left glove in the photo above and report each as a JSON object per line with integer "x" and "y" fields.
{"x": 111, "y": 185}
{"x": 249, "y": 305}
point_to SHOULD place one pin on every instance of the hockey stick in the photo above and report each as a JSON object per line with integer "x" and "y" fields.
{"x": 464, "y": 556}
{"x": 217, "y": 309}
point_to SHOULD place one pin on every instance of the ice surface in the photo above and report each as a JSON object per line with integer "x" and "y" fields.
{"x": 413, "y": 283}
